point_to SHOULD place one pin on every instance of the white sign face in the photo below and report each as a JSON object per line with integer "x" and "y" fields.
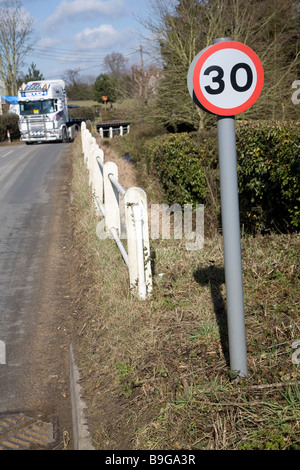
{"x": 226, "y": 78}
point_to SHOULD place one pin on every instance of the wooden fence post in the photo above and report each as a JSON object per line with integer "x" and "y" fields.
{"x": 136, "y": 196}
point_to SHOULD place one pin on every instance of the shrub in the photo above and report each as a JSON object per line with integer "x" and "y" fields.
{"x": 179, "y": 164}
{"x": 269, "y": 174}
{"x": 81, "y": 112}
{"x": 268, "y": 157}
{"x": 9, "y": 122}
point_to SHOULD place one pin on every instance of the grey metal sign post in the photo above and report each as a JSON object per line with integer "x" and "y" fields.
{"x": 232, "y": 244}
{"x": 226, "y": 79}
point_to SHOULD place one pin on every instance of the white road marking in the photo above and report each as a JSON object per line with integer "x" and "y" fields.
{"x": 2, "y": 156}
{"x": 2, "y": 353}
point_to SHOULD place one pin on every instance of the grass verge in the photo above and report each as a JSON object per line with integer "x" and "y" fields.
{"x": 155, "y": 374}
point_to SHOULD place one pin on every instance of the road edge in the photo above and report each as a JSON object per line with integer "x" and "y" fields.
{"x": 81, "y": 435}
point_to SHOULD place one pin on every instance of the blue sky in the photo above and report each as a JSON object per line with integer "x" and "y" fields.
{"x": 78, "y": 34}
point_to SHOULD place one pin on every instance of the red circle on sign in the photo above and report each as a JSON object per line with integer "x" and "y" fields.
{"x": 201, "y": 61}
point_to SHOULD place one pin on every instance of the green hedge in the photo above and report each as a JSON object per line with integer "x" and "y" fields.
{"x": 9, "y": 122}
{"x": 81, "y": 112}
{"x": 269, "y": 175}
{"x": 179, "y": 164}
{"x": 268, "y": 171}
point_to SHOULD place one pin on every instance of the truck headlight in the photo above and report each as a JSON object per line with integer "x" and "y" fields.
{"x": 49, "y": 126}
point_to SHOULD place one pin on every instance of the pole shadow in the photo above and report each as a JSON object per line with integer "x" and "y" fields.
{"x": 215, "y": 277}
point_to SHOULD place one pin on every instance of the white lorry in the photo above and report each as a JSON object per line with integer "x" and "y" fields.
{"x": 44, "y": 112}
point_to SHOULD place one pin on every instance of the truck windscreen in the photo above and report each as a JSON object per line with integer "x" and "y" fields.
{"x": 36, "y": 107}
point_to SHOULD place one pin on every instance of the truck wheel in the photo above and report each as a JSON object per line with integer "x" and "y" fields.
{"x": 64, "y": 135}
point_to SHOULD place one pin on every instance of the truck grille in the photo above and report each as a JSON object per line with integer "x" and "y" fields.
{"x": 37, "y": 126}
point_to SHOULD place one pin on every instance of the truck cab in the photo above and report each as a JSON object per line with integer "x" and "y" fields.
{"x": 43, "y": 112}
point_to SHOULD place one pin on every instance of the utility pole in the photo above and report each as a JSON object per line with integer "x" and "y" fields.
{"x": 142, "y": 73}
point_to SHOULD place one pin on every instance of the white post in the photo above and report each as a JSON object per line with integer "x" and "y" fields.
{"x": 98, "y": 180}
{"x": 136, "y": 196}
{"x": 111, "y": 198}
{"x": 86, "y": 146}
{"x": 2, "y": 353}
{"x": 84, "y": 133}
{"x": 110, "y": 132}
{"x": 83, "y": 128}
{"x": 138, "y": 222}
{"x": 121, "y": 130}
{"x": 92, "y": 142}
{"x": 92, "y": 160}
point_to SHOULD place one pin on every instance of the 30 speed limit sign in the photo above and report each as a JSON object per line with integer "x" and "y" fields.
{"x": 226, "y": 78}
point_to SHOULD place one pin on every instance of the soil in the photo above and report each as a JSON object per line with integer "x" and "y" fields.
{"x": 127, "y": 176}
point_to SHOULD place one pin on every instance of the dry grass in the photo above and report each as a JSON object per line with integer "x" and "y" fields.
{"x": 155, "y": 374}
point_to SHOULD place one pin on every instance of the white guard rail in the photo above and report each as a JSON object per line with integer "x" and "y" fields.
{"x": 124, "y": 214}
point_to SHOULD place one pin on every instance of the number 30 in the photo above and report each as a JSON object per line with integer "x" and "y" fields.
{"x": 219, "y": 78}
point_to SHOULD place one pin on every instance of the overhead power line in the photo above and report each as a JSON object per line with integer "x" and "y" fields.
{"x": 79, "y": 71}
{"x": 75, "y": 55}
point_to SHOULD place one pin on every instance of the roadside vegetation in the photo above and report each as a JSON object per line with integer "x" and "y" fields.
{"x": 155, "y": 374}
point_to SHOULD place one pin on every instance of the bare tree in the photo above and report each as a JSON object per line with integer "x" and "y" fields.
{"x": 181, "y": 28}
{"x": 145, "y": 78}
{"x": 115, "y": 64}
{"x": 16, "y": 36}
{"x": 70, "y": 76}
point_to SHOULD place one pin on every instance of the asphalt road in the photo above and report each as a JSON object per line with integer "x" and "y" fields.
{"x": 34, "y": 296}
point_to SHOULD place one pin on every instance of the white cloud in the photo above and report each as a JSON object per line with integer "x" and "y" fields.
{"x": 48, "y": 42}
{"x": 102, "y": 37}
{"x": 85, "y": 10}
